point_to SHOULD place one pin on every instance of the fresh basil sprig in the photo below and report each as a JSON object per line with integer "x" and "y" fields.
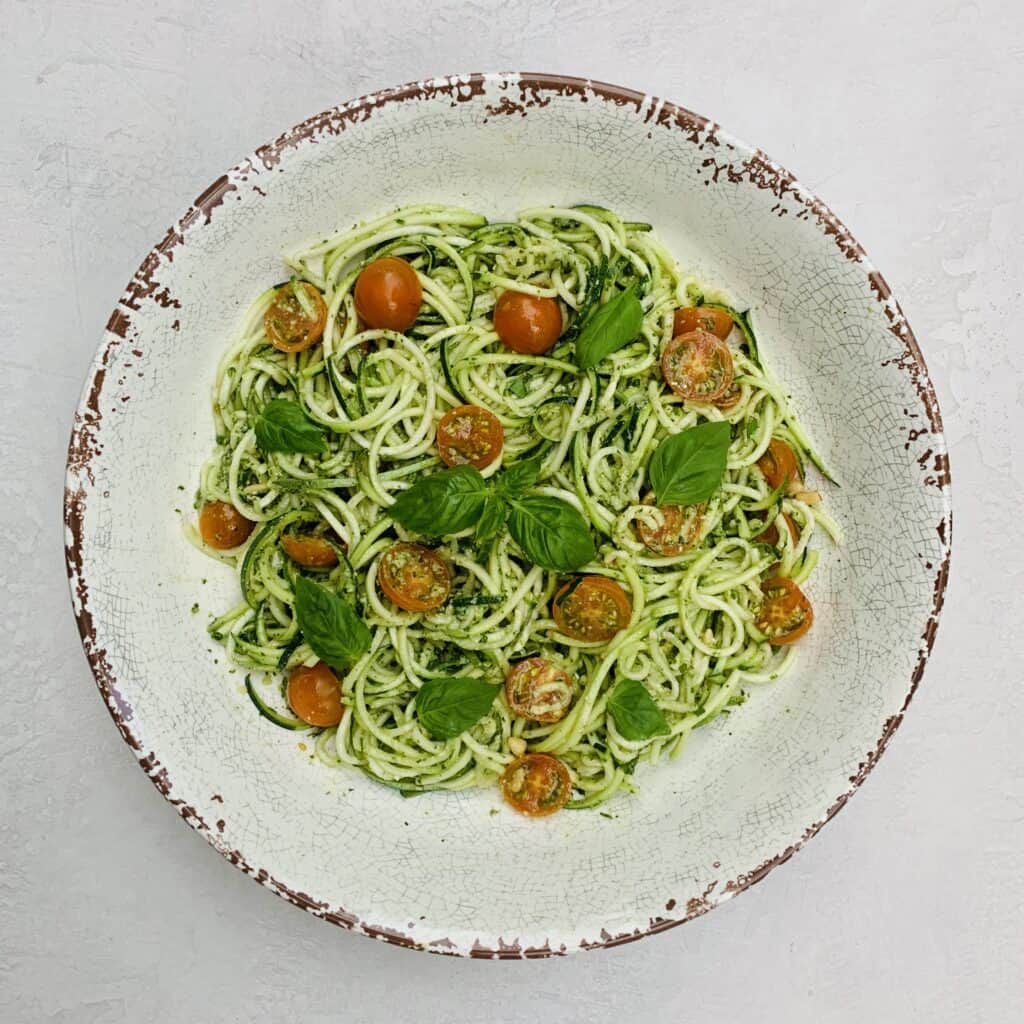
{"x": 448, "y": 706}
{"x": 609, "y": 328}
{"x": 551, "y": 533}
{"x": 519, "y": 477}
{"x": 446, "y": 502}
{"x": 687, "y": 467}
{"x": 282, "y": 426}
{"x": 636, "y": 715}
{"x": 330, "y": 626}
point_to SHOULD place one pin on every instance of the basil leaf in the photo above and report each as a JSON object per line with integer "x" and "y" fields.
{"x": 520, "y": 476}
{"x": 611, "y": 326}
{"x": 687, "y": 467}
{"x": 442, "y": 503}
{"x": 492, "y": 518}
{"x": 551, "y": 533}
{"x": 283, "y": 426}
{"x": 448, "y": 706}
{"x": 636, "y": 715}
{"x": 330, "y": 626}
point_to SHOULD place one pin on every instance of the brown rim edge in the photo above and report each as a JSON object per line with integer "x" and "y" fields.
{"x": 534, "y": 89}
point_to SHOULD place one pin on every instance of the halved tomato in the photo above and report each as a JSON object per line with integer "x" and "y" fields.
{"x": 222, "y": 526}
{"x": 591, "y": 608}
{"x": 785, "y": 613}
{"x": 779, "y": 463}
{"x": 315, "y": 695}
{"x": 309, "y": 550}
{"x": 679, "y": 531}
{"x": 702, "y": 318}
{"x": 536, "y": 784}
{"x": 539, "y": 691}
{"x": 414, "y": 577}
{"x": 697, "y": 366}
{"x": 470, "y": 435}
{"x": 296, "y": 317}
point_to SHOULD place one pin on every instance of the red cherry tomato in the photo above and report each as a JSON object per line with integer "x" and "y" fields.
{"x": 527, "y": 324}
{"x": 388, "y": 294}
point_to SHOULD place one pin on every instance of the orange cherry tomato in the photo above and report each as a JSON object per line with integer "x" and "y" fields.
{"x": 315, "y": 695}
{"x": 293, "y": 325}
{"x": 679, "y": 531}
{"x": 539, "y": 691}
{"x": 778, "y": 464}
{"x": 697, "y": 366}
{"x": 470, "y": 435}
{"x": 414, "y": 577}
{"x": 309, "y": 551}
{"x": 771, "y": 534}
{"x": 527, "y": 324}
{"x": 785, "y": 613}
{"x": 536, "y": 784}
{"x": 591, "y": 608}
{"x": 702, "y": 318}
{"x": 388, "y": 294}
{"x": 222, "y": 526}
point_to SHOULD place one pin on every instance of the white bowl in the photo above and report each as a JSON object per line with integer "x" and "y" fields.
{"x": 441, "y": 872}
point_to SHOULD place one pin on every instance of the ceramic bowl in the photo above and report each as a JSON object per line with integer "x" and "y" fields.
{"x": 462, "y": 873}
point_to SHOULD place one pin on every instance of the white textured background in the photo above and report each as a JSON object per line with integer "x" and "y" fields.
{"x": 905, "y": 118}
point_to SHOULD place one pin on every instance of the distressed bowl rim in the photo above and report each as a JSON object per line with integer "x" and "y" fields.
{"x": 86, "y": 423}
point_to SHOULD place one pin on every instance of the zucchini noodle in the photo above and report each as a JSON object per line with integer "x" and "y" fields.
{"x": 691, "y": 641}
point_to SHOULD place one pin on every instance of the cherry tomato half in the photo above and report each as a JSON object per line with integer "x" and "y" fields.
{"x": 388, "y": 294}
{"x": 785, "y": 613}
{"x": 414, "y": 577}
{"x": 679, "y": 531}
{"x": 296, "y": 318}
{"x": 539, "y": 691}
{"x": 309, "y": 551}
{"x": 470, "y": 435}
{"x": 771, "y": 533}
{"x": 591, "y": 608}
{"x": 697, "y": 366}
{"x": 222, "y": 526}
{"x": 536, "y": 784}
{"x": 315, "y": 695}
{"x": 778, "y": 464}
{"x": 701, "y": 318}
{"x": 527, "y": 324}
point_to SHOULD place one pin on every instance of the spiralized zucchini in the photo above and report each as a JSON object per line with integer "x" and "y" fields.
{"x": 691, "y": 640}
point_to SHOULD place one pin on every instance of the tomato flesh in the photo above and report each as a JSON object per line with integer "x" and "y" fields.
{"x": 680, "y": 528}
{"x": 388, "y": 294}
{"x": 539, "y": 691}
{"x": 771, "y": 533}
{"x": 527, "y": 324}
{"x": 414, "y": 577}
{"x": 222, "y": 526}
{"x": 785, "y": 613}
{"x": 698, "y": 366}
{"x": 470, "y": 435}
{"x": 702, "y": 318}
{"x": 309, "y": 551}
{"x": 591, "y": 608}
{"x": 536, "y": 784}
{"x": 293, "y": 324}
{"x": 315, "y": 695}
{"x": 779, "y": 463}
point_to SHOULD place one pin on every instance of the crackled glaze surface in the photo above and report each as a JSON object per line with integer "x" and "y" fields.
{"x": 432, "y": 872}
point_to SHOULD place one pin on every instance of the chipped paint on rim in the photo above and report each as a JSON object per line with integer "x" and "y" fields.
{"x": 726, "y": 159}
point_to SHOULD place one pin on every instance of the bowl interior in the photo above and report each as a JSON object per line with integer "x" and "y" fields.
{"x": 449, "y": 871}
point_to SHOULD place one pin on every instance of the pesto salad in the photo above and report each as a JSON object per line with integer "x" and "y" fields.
{"x": 510, "y": 503}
